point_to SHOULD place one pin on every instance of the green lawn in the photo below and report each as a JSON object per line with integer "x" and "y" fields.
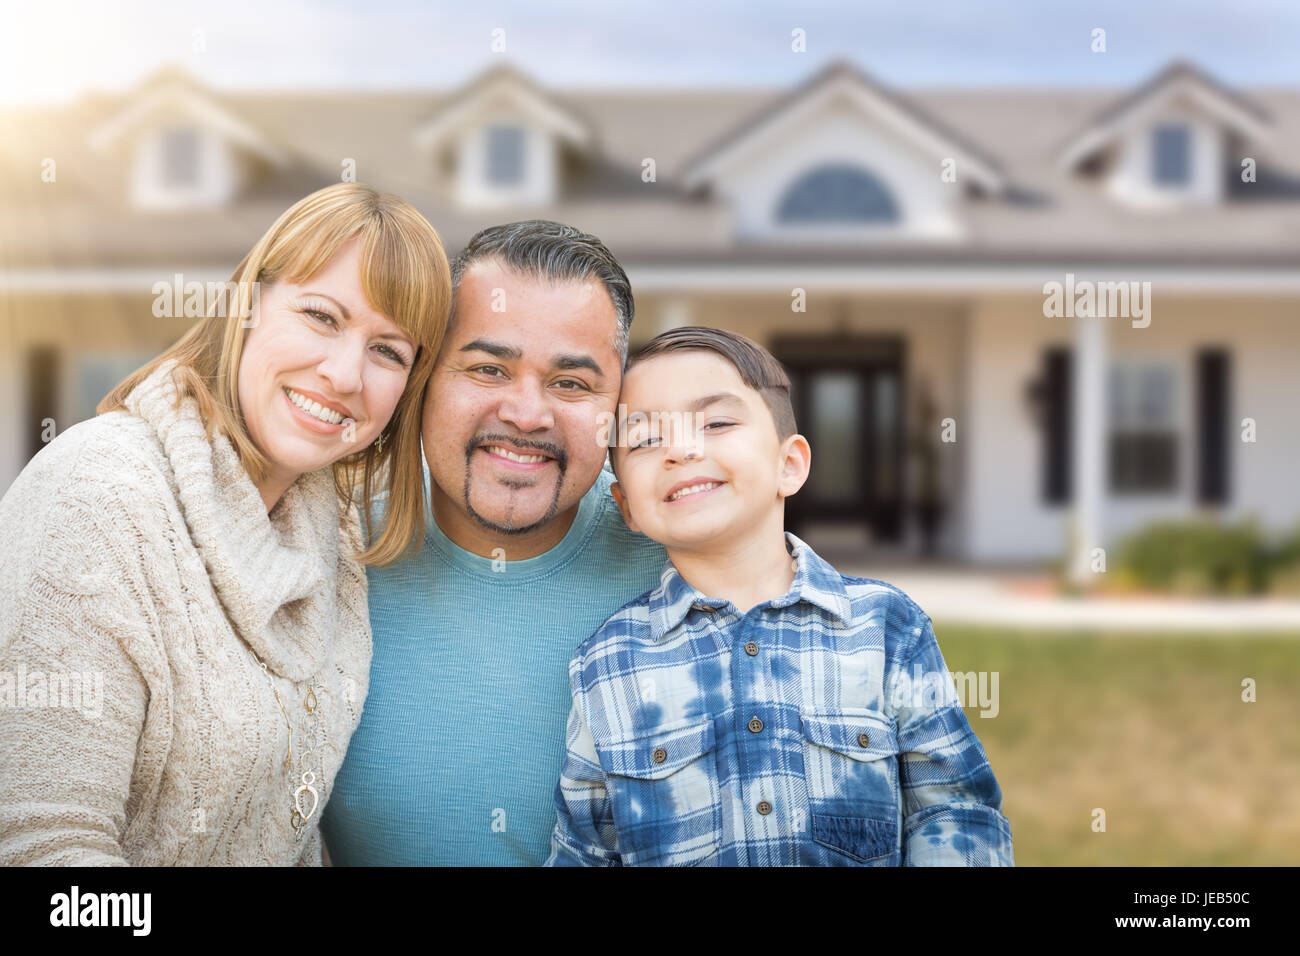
{"x": 1150, "y": 728}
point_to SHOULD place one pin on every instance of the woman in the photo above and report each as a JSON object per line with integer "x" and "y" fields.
{"x": 196, "y": 551}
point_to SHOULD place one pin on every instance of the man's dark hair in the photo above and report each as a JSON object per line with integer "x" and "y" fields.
{"x": 757, "y": 367}
{"x": 540, "y": 248}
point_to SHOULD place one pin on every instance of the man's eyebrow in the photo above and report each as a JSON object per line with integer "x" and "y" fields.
{"x": 705, "y": 401}
{"x": 576, "y": 361}
{"x": 498, "y": 349}
{"x": 503, "y": 351}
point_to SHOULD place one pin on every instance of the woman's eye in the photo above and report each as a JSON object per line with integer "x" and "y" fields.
{"x": 321, "y": 316}
{"x": 393, "y": 354}
{"x": 718, "y": 425}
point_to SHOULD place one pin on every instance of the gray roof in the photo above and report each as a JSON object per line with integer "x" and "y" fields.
{"x": 84, "y": 219}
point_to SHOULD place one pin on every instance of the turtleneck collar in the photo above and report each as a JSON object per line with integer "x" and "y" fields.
{"x": 275, "y": 575}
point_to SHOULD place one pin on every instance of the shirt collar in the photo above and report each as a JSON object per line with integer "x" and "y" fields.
{"x": 815, "y": 581}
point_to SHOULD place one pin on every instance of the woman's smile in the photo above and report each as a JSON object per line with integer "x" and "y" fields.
{"x": 311, "y": 420}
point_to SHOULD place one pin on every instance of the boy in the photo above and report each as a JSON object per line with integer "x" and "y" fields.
{"x": 757, "y": 707}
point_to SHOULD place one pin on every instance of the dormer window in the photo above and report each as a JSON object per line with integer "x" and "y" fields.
{"x": 837, "y": 193}
{"x": 505, "y": 155}
{"x": 180, "y": 157}
{"x": 181, "y": 149}
{"x": 1165, "y": 147}
{"x": 1172, "y": 154}
{"x": 503, "y": 142}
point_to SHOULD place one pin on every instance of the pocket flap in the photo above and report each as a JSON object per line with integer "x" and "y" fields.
{"x": 660, "y": 753}
{"x": 859, "y": 734}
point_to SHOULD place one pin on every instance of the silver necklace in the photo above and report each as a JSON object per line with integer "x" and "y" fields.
{"x": 305, "y": 800}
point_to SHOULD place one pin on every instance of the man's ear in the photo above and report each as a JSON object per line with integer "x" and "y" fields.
{"x": 617, "y": 492}
{"x": 794, "y": 463}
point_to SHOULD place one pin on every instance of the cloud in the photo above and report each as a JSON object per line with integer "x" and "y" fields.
{"x": 54, "y": 50}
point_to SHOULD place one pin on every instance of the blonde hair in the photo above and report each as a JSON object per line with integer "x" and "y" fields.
{"x": 404, "y": 276}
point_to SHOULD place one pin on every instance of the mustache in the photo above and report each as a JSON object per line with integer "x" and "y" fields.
{"x": 546, "y": 448}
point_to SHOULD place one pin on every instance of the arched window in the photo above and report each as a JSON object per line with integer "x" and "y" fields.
{"x": 837, "y": 193}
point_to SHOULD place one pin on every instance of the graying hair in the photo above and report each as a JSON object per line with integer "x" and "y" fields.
{"x": 540, "y": 248}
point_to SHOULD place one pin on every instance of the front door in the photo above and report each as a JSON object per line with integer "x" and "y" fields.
{"x": 847, "y": 394}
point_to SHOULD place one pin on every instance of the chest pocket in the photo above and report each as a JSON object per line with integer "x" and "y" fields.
{"x": 663, "y": 792}
{"x": 851, "y": 770}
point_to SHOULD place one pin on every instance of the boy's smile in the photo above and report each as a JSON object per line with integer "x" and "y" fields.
{"x": 691, "y": 489}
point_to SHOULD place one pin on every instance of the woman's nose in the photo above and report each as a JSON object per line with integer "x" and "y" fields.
{"x": 343, "y": 364}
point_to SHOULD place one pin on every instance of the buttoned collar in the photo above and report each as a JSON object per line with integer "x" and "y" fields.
{"x": 815, "y": 581}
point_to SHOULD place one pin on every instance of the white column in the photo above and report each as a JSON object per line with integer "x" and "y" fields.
{"x": 1088, "y": 475}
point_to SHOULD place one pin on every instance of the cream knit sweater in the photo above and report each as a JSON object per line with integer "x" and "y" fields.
{"x": 134, "y": 549}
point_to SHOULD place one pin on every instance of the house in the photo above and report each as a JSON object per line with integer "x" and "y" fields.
{"x": 1017, "y": 321}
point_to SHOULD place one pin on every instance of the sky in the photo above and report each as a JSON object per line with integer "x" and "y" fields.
{"x": 54, "y": 50}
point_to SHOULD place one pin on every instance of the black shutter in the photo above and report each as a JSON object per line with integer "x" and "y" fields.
{"x": 42, "y": 382}
{"x": 1212, "y": 438}
{"x": 1057, "y": 425}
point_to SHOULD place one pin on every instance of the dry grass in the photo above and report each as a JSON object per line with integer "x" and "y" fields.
{"x": 1150, "y": 728}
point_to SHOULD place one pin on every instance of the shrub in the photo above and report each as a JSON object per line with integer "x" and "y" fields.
{"x": 1284, "y": 564}
{"x": 1197, "y": 556}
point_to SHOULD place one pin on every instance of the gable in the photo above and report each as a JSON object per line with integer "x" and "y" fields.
{"x": 834, "y": 171}
{"x": 1173, "y": 142}
{"x": 501, "y": 142}
{"x": 182, "y": 148}
{"x": 893, "y": 170}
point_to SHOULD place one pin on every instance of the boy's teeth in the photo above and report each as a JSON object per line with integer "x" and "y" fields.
{"x": 315, "y": 409}
{"x": 505, "y": 453}
{"x": 692, "y": 489}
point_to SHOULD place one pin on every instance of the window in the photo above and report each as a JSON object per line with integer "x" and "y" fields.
{"x": 505, "y": 155}
{"x": 1144, "y": 432}
{"x": 180, "y": 157}
{"x": 1172, "y": 154}
{"x": 836, "y": 402}
{"x": 94, "y": 375}
{"x": 837, "y": 193}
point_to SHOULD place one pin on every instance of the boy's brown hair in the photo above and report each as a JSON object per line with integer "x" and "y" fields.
{"x": 757, "y": 367}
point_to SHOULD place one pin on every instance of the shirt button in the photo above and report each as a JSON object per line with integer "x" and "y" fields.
{"x": 751, "y": 648}
{"x": 864, "y": 740}
{"x": 756, "y": 726}
{"x": 764, "y": 808}
{"x": 660, "y": 755}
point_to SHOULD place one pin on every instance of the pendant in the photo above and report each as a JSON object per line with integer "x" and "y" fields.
{"x": 308, "y": 778}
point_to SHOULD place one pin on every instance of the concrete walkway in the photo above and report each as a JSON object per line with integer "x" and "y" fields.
{"x": 1026, "y": 598}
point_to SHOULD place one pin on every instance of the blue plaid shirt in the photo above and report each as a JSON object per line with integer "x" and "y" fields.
{"x": 822, "y": 728}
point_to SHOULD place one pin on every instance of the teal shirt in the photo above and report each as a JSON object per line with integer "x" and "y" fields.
{"x": 461, "y": 738}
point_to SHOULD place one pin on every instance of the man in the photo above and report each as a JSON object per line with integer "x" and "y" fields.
{"x": 461, "y": 738}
